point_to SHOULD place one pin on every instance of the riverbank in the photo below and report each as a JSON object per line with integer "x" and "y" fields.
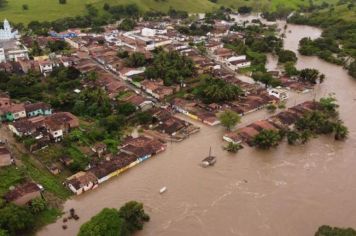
{"x": 291, "y": 190}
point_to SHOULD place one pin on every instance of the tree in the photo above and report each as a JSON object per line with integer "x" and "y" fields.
{"x": 213, "y": 90}
{"x": 106, "y": 7}
{"x": 329, "y": 105}
{"x": 38, "y": 205}
{"x": 352, "y": 69}
{"x": 3, "y": 232}
{"x": 171, "y": 67}
{"x": 122, "y": 54}
{"x": 244, "y": 10}
{"x": 14, "y": 219}
{"x": 309, "y": 75}
{"x": 233, "y": 147}
{"x": 136, "y": 59}
{"x": 286, "y": 56}
{"x": 134, "y": 215}
{"x": 229, "y": 119}
{"x": 266, "y": 78}
{"x": 57, "y": 46}
{"x": 292, "y": 137}
{"x": 107, "y": 223}
{"x": 289, "y": 69}
{"x": 62, "y": 1}
{"x": 3, "y": 3}
{"x": 36, "y": 49}
{"x": 341, "y": 131}
{"x": 127, "y": 24}
{"x": 267, "y": 139}
{"x": 326, "y": 230}
{"x": 25, "y": 7}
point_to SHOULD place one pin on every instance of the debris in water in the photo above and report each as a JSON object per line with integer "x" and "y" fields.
{"x": 64, "y": 227}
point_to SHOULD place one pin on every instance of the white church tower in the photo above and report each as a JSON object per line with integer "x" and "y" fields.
{"x": 6, "y": 33}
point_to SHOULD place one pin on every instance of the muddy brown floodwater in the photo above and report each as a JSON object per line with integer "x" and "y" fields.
{"x": 290, "y": 190}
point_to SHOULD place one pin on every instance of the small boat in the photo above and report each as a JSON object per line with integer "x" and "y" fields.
{"x": 162, "y": 190}
{"x": 208, "y": 161}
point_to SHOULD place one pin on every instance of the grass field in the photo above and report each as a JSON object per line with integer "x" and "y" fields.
{"x": 46, "y": 10}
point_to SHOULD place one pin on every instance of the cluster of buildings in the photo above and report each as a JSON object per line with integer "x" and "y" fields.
{"x": 36, "y": 120}
{"x": 132, "y": 152}
{"x": 98, "y": 53}
{"x": 283, "y": 120}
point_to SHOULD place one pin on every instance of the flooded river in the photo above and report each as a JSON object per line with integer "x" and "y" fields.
{"x": 290, "y": 190}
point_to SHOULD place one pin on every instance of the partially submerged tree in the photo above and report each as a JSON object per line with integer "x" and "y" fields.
{"x": 229, "y": 119}
{"x": 267, "y": 139}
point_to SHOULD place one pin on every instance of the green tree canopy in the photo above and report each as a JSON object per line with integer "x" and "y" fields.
{"x": 15, "y": 219}
{"x": 267, "y": 139}
{"x": 106, "y": 223}
{"x": 216, "y": 90}
{"x": 171, "y": 67}
{"x": 134, "y": 215}
{"x": 229, "y": 119}
{"x": 326, "y": 230}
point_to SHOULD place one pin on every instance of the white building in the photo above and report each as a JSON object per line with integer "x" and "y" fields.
{"x": 6, "y": 33}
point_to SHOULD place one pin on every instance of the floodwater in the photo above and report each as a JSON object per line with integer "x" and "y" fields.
{"x": 290, "y": 190}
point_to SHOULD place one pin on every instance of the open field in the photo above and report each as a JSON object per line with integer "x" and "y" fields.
{"x": 46, "y": 10}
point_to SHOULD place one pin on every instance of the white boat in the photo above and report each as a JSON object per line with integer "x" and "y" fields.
{"x": 162, "y": 190}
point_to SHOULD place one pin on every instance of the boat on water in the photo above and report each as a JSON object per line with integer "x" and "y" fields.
{"x": 163, "y": 189}
{"x": 208, "y": 161}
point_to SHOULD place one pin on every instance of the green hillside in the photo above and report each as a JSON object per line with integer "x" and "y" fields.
{"x": 43, "y": 10}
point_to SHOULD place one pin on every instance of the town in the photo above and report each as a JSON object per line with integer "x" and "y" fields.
{"x": 85, "y": 105}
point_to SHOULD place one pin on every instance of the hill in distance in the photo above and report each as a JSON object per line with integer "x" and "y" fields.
{"x": 47, "y": 10}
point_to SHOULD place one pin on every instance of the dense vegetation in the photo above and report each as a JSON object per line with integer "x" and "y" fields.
{"x": 326, "y": 230}
{"x": 125, "y": 221}
{"x": 212, "y": 90}
{"x": 260, "y": 39}
{"x": 171, "y": 67}
{"x": 337, "y": 44}
{"x": 324, "y": 120}
{"x": 229, "y": 119}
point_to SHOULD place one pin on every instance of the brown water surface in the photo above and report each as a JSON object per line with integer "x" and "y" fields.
{"x": 290, "y": 190}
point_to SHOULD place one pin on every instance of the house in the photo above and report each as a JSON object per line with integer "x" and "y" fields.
{"x": 38, "y": 108}
{"x": 232, "y": 137}
{"x": 13, "y": 112}
{"x": 81, "y": 182}
{"x": 142, "y": 147}
{"x": 247, "y": 134}
{"x": 24, "y": 193}
{"x": 5, "y": 157}
{"x": 46, "y": 67}
{"x": 114, "y": 166}
{"x": 26, "y": 127}
{"x": 222, "y": 54}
